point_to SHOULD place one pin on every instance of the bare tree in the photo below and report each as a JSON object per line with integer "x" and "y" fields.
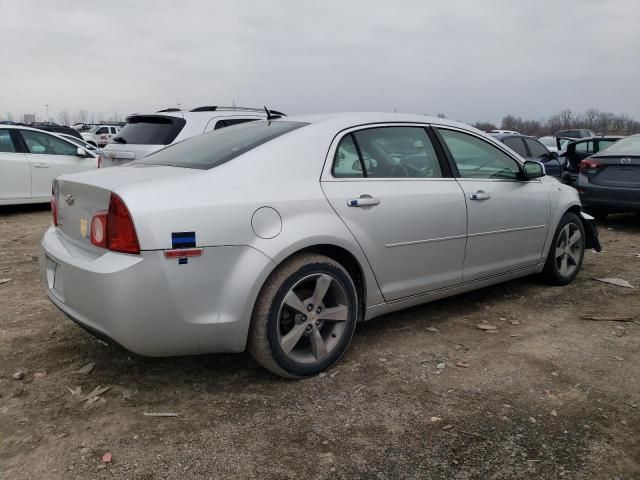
{"x": 82, "y": 116}
{"x": 65, "y": 117}
{"x": 485, "y": 126}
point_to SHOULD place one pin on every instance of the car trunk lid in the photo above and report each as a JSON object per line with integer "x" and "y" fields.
{"x": 616, "y": 171}
{"x": 80, "y": 196}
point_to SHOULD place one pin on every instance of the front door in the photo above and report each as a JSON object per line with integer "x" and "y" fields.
{"x": 508, "y": 218}
{"x": 15, "y": 176}
{"x": 50, "y": 157}
{"x": 387, "y": 184}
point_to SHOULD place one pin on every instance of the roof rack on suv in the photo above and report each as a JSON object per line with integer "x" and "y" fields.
{"x": 217, "y": 108}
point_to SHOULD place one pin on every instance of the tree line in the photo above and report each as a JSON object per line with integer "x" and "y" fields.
{"x": 602, "y": 123}
{"x": 64, "y": 117}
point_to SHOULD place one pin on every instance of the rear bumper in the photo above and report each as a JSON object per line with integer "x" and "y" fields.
{"x": 611, "y": 198}
{"x": 154, "y": 306}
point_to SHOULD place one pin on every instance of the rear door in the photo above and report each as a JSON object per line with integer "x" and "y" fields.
{"x": 507, "y": 217}
{"x": 396, "y": 196}
{"x": 15, "y": 174}
{"x": 50, "y": 157}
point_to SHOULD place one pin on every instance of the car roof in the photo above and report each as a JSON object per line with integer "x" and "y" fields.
{"x": 501, "y": 136}
{"x": 342, "y": 120}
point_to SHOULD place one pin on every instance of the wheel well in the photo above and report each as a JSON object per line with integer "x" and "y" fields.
{"x": 575, "y": 209}
{"x": 348, "y": 261}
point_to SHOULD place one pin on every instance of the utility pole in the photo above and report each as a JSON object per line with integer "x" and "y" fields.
{"x": 47, "y": 105}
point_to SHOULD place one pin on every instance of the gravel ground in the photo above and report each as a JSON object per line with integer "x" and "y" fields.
{"x": 422, "y": 393}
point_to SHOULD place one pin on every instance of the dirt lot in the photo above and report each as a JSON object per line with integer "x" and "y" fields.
{"x": 549, "y": 395}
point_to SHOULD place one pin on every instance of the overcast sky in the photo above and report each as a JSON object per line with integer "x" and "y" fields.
{"x": 473, "y": 60}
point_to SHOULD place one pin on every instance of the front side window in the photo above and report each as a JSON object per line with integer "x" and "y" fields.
{"x": 42, "y": 143}
{"x": 536, "y": 148}
{"x": 517, "y": 145}
{"x": 102, "y": 130}
{"x": 6, "y": 144}
{"x": 389, "y": 152}
{"x": 476, "y": 158}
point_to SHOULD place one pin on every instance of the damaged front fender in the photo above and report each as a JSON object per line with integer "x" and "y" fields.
{"x": 591, "y": 232}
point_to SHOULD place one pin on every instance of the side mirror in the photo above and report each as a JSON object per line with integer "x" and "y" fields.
{"x": 81, "y": 152}
{"x": 553, "y": 155}
{"x": 532, "y": 170}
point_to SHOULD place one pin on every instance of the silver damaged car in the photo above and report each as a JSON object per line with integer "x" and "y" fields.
{"x": 278, "y": 236}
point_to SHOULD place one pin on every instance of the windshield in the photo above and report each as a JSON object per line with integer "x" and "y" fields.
{"x": 219, "y": 146}
{"x": 548, "y": 141}
{"x": 626, "y": 146}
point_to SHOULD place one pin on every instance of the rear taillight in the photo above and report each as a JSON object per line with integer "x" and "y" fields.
{"x": 590, "y": 164}
{"x": 99, "y": 229}
{"x": 54, "y": 207}
{"x": 114, "y": 229}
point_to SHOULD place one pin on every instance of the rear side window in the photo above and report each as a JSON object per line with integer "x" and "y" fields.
{"x": 102, "y": 130}
{"x": 150, "y": 130}
{"x": 346, "y": 163}
{"x": 602, "y": 144}
{"x": 6, "y": 144}
{"x": 215, "y": 148}
{"x": 585, "y": 147}
{"x": 536, "y": 148}
{"x": 517, "y": 145}
{"x": 232, "y": 121}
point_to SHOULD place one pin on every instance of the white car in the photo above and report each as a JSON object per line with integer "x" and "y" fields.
{"x": 100, "y": 135}
{"x": 146, "y": 133}
{"x": 30, "y": 159}
{"x": 81, "y": 143}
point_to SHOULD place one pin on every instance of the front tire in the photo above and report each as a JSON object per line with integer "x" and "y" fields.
{"x": 566, "y": 252}
{"x": 304, "y": 318}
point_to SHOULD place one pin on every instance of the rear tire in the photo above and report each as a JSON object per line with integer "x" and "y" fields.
{"x": 304, "y": 317}
{"x": 566, "y": 252}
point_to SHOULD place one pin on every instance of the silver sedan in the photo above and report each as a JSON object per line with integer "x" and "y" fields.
{"x": 280, "y": 235}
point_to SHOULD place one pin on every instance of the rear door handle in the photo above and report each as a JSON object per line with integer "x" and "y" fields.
{"x": 41, "y": 165}
{"x": 363, "y": 201}
{"x": 480, "y": 195}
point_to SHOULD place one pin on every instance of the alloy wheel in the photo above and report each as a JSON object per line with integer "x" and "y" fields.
{"x": 312, "y": 318}
{"x": 568, "y": 249}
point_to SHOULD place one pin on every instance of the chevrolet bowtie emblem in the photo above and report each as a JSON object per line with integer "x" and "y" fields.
{"x": 69, "y": 199}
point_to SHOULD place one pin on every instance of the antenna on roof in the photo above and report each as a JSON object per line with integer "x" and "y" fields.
{"x": 272, "y": 114}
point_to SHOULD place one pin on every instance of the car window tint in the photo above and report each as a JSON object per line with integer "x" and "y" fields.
{"x": 602, "y": 144}
{"x": 346, "y": 162}
{"x": 102, "y": 130}
{"x": 398, "y": 152}
{"x": 517, "y": 145}
{"x": 6, "y": 144}
{"x": 232, "y": 121}
{"x": 42, "y": 143}
{"x": 536, "y": 148}
{"x": 219, "y": 146}
{"x": 585, "y": 147}
{"x": 476, "y": 158}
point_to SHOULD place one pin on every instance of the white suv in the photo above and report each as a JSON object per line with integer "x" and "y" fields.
{"x": 146, "y": 133}
{"x": 99, "y": 135}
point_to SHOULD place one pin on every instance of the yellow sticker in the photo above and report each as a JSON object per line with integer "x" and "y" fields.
{"x": 83, "y": 227}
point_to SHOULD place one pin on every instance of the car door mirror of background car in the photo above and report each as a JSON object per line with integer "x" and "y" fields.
{"x": 532, "y": 170}
{"x": 553, "y": 155}
{"x": 81, "y": 152}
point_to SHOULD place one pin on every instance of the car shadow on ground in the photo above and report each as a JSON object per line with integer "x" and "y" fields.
{"x": 8, "y": 210}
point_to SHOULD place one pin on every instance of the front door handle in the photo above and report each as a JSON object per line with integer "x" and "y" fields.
{"x": 363, "y": 201}
{"x": 41, "y": 165}
{"x": 480, "y": 195}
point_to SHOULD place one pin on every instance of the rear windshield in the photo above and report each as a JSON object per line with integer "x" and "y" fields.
{"x": 150, "y": 130}
{"x": 215, "y": 148}
{"x": 626, "y": 146}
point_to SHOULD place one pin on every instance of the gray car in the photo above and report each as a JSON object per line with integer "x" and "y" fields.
{"x": 609, "y": 181}
{"x": 279, "y": 236}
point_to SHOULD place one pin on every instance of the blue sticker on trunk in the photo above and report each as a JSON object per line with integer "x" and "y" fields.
{"x": 183, "y": 239}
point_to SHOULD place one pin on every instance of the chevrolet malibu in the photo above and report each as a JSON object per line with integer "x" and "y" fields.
{"x": 278, "y": 236}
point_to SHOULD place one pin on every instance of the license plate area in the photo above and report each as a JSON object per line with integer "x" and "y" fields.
{"x": 54, "y": 278}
